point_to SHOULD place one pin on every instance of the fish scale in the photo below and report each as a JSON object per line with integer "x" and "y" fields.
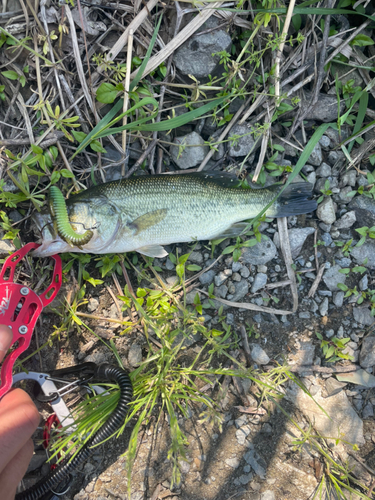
{"x": 143, "y": 213}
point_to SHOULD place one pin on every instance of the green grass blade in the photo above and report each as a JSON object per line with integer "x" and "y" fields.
{"x": 129, "y": 126}
{"x": 302, "y": 10}
{"x": 363, "y": 102}
{"x": 142, "y": 67}
{"x": 300, "y": 164}
{"x": 368, "y": 127}
{"x": 103, "y": 130}
{"x": 178, "y": 121}
{"x": 103, "y": 123}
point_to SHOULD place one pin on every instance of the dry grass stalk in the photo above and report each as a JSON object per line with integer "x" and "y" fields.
{"x": 287, "y": 254}
{"x": 249, "y": 306}
{"x": 78, "y": 60}
{"x": 126, "y": 92}
{"x": 284, "y": 34}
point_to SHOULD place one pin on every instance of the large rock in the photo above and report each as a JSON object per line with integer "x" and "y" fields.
{"x": 332, "y": 277}
{"x": 316, "y": 156}
{"x": 196, "y": 56}
{"x": 245, "y": 142}
{"x": 346, "y": 221}
{"x": 259, "y": 282}
{"x": 325, "y": 109}
{"x": 297, "y": 238}
{"x": 336, "y": 417}
{"x": 241, "y": 289}
{"x": 326, "y": 211}
{"x": 259, "y": 356}
{"x": 261, "y": 253}
{"x": 364, "y": 208}
{"x": 194, "y": 152}
{"x": 256, "y": 462}
{"x": 299, "y": 484}
{"x": 363, "y": 315}
{"x": 365, "y": 254}
{"x": 6, "y": 248}
{"x": 367, "y": 355}
{"x": 304, "y": 356}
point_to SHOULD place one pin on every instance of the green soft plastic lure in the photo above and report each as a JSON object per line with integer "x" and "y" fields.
{"x": 59, "y": 213}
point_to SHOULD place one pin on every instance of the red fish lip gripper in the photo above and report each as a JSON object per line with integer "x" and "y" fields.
{"x": 20, "y": 308}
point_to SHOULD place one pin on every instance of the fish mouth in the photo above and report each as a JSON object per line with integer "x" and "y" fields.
{"x": 51, "y": 243}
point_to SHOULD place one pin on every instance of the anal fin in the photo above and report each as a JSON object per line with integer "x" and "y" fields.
{"x": 153, "y": 251}
{"x": 233, "y": 230}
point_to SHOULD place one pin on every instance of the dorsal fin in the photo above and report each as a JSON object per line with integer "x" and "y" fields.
{"x": 222, "y": 179}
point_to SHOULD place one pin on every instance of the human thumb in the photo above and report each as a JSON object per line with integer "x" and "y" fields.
{"x": 6, "y": 337}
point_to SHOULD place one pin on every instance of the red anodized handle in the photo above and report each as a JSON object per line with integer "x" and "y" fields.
{"x": 20, "y": 308}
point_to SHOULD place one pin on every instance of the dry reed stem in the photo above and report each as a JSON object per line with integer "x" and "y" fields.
{"x": 78, "y": 60}
{"x": 126, "y": 92}
{"x": 287, "y": 254}
{"x": 284, "y": 34}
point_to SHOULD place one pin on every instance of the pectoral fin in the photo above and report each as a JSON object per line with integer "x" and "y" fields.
{"x": 147, "y": 220}
{"x": 153, "y": 251}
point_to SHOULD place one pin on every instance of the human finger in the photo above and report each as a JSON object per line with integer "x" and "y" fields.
{"x": 6, "y": 337}
{"x": 19, "y": 418}
{"x": 14, "y": 471}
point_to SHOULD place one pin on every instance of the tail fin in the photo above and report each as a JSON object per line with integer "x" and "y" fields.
{"x": 295, "y": 200}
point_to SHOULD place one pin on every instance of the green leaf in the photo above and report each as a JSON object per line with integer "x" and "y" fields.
{"x": 362, "y": 230}
{"x": 79, "y": 136}
{"x": 106, "y": 93}
{"x": 342, "y": 287}
{"x": 141, "y": 292}
{"x": 250, "y": 243}
{"x": 11, "y": 75}
{"x": 36, "y": 149}
{"x": 183, "y": 258}
{"x": 358, "y": 269}
{"x": 172, "y": 258}
{"x": 193, "y": 267}
{"x": 96, "y": 146}
{"x": 297, "y": 21}
{"x": 55, "y": 177}
{"x": 361, "y": 241}
{"x": 54, "y": 152}
{"x": 22, "y": 80}
{"x": 229, "y": 249}
{"x": 319, "y": 335}
{"x": 236, "y": 254}
{"x": 67, "y": 173}
{"x": 346, "y": 270}
{"x": 330, "y": 351}
{"x": 197, "y": 299}
{"x": 361, "y": 40}
{"x": 180, "y": 269}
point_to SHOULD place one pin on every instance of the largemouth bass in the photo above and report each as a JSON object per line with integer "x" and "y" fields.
{"x": 144, "y": 213}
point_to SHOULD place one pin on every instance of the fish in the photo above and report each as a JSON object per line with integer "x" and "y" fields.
{"x": 145, "y": 213}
